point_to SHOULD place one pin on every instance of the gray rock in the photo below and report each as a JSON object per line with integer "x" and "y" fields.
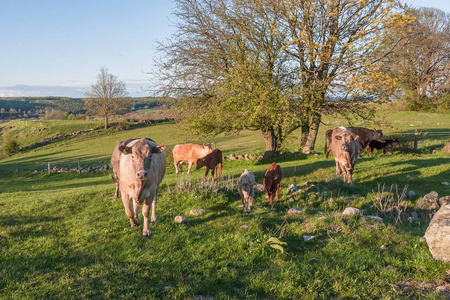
{"x": 438, "y": 234}
{"x": 444, "y": 201}
{"x": 244, "y": 227}
{"x": 431, "y": 196}
{"x": 181, "y": 219}
{"x": 411, "y": 194}
{"x": 351, "y": 211}
{"x": 292, "y": 188}
{"x": 445, "y": 183}
{"x": 383, "y": 247}
{"x": 307, "y": 238}
{"x": 197, "y": 212}
{"x": 295, "y": 210}
{"x": 376, "y": 218}
{"x": 260, "y": 188}
{"x": 423, "y": 239}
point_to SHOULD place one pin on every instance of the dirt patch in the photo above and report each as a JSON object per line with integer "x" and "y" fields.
{"x": 417, "y": 287}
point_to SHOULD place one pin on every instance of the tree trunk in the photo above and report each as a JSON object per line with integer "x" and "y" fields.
{"x": 312, "y": 134}
{"x": 271, "y": 143}
{"x": 304, "y": 137}
{"x": 106, "y": 121}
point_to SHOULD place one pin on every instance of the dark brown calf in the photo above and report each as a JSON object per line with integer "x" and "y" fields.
{"x": 272, "y": 180}
{"x": 211, "y": 161}
{"x": 386, "y": 146}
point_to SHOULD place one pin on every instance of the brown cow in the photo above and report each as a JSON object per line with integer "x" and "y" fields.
{"x": 139, "y": 170}
{"x": 211, "y": 161}
{"x": 272, "y": 180}
{"x": 189, "y": 153}
{"x": 366, "y": 136}
{"x": 246, "y": 189}
{"x": 345, "y": 148}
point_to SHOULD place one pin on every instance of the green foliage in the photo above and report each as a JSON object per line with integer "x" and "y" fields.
{"x": 10, "y": 147}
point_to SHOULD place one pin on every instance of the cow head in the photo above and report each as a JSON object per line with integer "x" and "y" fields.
{"x": 141, "y": 156}
{"x": 201, "y": 162}
{"x": 378, "y": 136}
{"x": 345, "y": 140}
{"x": 246, "y": 187}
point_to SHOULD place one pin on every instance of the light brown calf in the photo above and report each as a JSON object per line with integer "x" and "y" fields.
{"x": 246, "y": 189}
{"x": 189, "y": 153}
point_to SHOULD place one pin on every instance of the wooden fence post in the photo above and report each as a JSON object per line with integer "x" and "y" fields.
{"x": 48, "y": 168}
{"x": 78, "y": 168}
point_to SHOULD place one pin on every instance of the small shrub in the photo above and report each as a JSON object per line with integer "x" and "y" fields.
{"x": 10, "y": 147}
{"x": 390, "y": 202}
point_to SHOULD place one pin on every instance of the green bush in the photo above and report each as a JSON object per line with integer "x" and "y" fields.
{"x": 10, "y": 147}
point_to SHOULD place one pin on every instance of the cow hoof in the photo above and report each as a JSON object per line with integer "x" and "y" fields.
{"x": 147, "y": 235}
{"x": 153, "y": 221}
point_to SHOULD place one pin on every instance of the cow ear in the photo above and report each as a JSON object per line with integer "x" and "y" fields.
{"x": 338, "y": 137}
{"x": 158, "y": 149}
{"x": 125, "y": 150}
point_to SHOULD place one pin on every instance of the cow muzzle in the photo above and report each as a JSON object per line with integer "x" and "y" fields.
{"x": 142, "y": 175}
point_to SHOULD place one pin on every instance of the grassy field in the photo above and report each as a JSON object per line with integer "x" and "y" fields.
{"x": 63, "y": 235}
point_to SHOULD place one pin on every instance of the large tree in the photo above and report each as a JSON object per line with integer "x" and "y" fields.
{"x": 108, "y": 96}
{"x": 421, "y": 64}
{"x": 335, "y": 44}
{"x": 268, "y": 64}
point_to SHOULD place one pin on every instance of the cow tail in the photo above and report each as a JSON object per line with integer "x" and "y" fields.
{"x": 326, "y": 148}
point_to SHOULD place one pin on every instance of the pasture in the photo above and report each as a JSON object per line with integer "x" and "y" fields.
{"x": 62, "y": 235}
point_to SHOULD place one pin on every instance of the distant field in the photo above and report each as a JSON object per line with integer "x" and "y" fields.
{"x": 63, "y": 236}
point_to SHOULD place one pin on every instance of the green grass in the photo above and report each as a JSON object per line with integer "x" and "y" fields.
{"x": 63, "y": 236}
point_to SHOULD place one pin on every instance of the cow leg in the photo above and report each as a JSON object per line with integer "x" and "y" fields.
{"x": 116, "y": 194}
{"x": 276, "y": 193}
{"x": 189, "y": 168}
{"x": 338, "y": 171}
{"x": 153, "y": 219}
{"x": 180, "y": 163}
{"x": 206, "y": 174}
{"x": 146, "y": 227}
{"x": 369, "y": 152}
{"x": 175, "y": 163}
{"x": 129, "y": 210}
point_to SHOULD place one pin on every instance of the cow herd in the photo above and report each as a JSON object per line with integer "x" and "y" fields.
{"x": 139, "y": 166}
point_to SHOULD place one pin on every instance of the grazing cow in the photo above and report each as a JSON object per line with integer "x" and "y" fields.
{"x": 246, "y": 189}
{"x": 210, "y": 161}
{"x": 345, "y": 148}
{"x": 386, "y": 146}
{"x": 271, "y": 181}
{"x": 139, "y": 169}
{"x": 189, "y": 153}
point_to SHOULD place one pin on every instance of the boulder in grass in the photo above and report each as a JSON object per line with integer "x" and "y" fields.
{"x": 351, "y": 211}
{"x": 438, "y": 234}
{"x": 181, "y": 220}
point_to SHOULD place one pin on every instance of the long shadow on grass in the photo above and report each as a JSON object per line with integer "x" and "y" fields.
{"x": 53, "y": 182}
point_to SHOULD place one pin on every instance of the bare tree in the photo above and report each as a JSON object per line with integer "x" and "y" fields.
{"x": 108, "y": 96}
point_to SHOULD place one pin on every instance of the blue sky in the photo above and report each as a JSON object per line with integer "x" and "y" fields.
{"x": 57, "y": 47}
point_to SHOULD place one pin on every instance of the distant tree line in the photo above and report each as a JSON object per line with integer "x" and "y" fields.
{"x": 34, "y": 107}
